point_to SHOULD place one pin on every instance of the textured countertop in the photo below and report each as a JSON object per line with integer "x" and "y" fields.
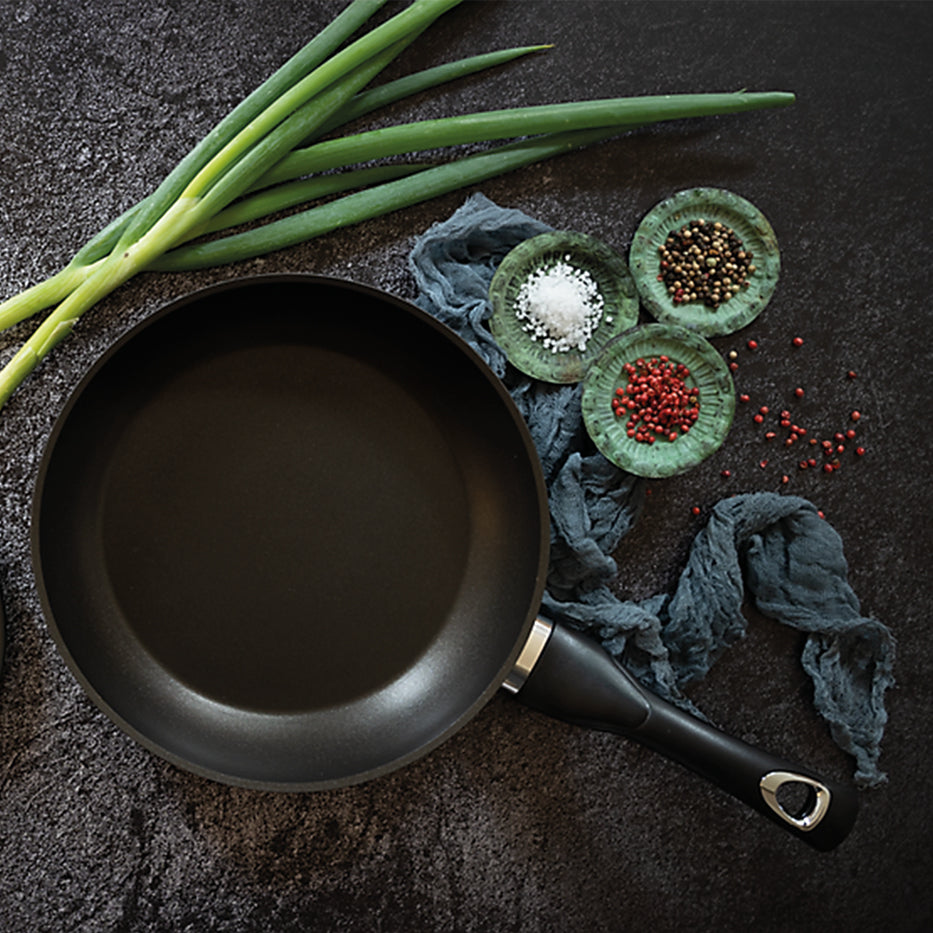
{"x": 518, "y": 822}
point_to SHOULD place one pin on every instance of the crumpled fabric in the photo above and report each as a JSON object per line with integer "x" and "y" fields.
{"x": 773, "y": 550}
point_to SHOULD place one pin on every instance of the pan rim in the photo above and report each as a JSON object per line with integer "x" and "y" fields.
{"x": 46, "y": 600}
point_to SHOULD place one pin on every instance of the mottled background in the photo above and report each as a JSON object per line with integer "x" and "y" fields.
{"x": 518, "y": 823}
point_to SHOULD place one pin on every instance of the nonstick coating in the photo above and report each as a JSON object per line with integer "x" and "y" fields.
{"x": 290, "y": 532}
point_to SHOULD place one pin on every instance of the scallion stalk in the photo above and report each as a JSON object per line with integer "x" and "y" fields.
{"x": 376, "y": 201}
{"x": 53, "y": 289}
{"x": 511, "y": 123}
{"x": 310, "y": 56}
{"x": 248, "y": 167}
{"x": 393, "y": 91}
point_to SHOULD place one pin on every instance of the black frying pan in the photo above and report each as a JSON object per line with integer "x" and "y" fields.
{"x": 291, "y": 533}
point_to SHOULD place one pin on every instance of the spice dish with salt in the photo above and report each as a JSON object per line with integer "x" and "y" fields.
{"x": 706, "y": 259}
{"x": 557, "y": 299}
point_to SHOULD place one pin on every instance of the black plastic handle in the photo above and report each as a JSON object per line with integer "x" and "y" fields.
{"x": 575, "y": 680}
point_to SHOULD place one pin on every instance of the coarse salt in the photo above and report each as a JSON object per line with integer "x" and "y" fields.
{"x": 561, "y": 306}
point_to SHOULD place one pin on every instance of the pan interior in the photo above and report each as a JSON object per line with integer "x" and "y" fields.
{"x": 259, "y": 514}
{"x": 289, "y": 534}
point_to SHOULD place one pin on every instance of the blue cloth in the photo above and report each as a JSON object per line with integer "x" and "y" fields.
{"x": 774, "y": 550}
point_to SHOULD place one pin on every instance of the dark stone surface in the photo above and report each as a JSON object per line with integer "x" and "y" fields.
{"x": 518, "y": 823}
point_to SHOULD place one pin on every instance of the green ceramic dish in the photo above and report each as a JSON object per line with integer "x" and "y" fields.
{"x": 708, "y": 371}
{"x": 750, "y": 226}
{"x": 603, "y": 265}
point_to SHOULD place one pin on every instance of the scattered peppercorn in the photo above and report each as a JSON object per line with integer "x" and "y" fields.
{"x": 851, "y": 374}
{"x": 752, "y": 344}
{"x": 798, "y": 392}
{"x": 797, "y": 341}
{"x": 856, "y": 415}
{"x": 704, "y": 262}
{"x": 860, "y": 451}
{"x": 727, "y": 473}
{"x": 695, "y": 510}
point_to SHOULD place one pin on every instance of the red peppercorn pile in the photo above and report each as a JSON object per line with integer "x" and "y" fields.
{"x": 657, "y": 400}
{"x": 704, "y": 262}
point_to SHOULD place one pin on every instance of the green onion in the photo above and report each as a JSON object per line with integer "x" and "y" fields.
{"x": 394, "y": 91}
{"x": 374, "y": 202}
{"x": 521, "y": 121}
{"x": 313, "y": 54}
{"x": 248, "y": 168}
{"x": 201, "y": 186}
{"x": 58, "y": 286}
{"x": 282, "y": 197}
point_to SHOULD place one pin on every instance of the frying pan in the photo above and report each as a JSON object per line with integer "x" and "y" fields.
{"x": 291, "y": 533}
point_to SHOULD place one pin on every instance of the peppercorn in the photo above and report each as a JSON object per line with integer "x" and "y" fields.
{"x": 701, "y": 262}
{"x": 657, "y": 400}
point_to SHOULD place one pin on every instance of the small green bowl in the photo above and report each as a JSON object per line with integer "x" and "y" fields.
{"x": 708, "y": 371}
{"x": 613, "y": 281}
{"x": 750, "y": 226}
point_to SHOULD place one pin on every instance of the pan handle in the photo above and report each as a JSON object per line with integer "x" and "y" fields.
{"x": 570, "y": 677}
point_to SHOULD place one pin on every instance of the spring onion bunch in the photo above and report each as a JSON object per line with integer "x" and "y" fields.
{"x": 278, "y": 150}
